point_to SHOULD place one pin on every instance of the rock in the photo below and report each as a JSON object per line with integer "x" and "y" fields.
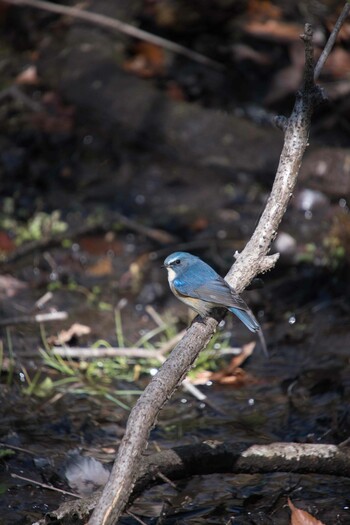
{"x": 327, "y": 170}
{"x": 86, "y": 67}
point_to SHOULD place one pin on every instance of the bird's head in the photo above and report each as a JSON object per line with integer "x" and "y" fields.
{"x": 179, "y": 261}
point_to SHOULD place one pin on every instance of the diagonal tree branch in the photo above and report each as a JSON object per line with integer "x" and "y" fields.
{"x": 331, "y": 40}
{"x": 252, "y": 261}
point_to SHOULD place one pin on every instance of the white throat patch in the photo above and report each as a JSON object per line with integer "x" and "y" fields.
{"x": 171, "y": 275}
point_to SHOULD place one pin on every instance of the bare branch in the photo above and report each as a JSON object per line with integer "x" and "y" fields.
{"x": 45, "y": 486}
{"x": 331, "y": 40}
{"x": 281, "y": 122}
{"x": 230, "y": 458}
{"x": 37, "y": 318}
{"x": 93, "y": 353}
{"x": 117, "y": 25}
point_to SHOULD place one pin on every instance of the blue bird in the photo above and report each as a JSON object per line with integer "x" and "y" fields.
{"x": 198, "y": 285}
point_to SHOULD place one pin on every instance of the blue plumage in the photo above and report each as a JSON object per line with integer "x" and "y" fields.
{"x": 198, "y": 285}
{"x": 246, "y": 318}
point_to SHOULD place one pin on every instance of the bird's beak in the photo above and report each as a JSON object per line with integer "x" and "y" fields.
{"x": 164, "y": 266}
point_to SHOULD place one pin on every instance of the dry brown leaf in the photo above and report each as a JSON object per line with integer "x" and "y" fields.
{"x": 231, "y": 374}
{"x": 28, "y": 77}
{"x": 202, "y": 377}
{"x": 57, "y": 117}
{"x": 6, "y": 243}
{"x": 175, "y": 91}
{"x": 65, "y": 336}
{"x": 231, "y": 369}
{"x": 199, "y": 224}
{"x": 247, "y": 351}
{"x": 301, "y": 517}
{"x": 239, "y": 379}
{"x": 274, "y": 30}
{"x": 97, "y": 245}
{"x": 264, "y": 9}
{"x": 10, "y": 286}
{"x": 147, "y": 62}
{"x": 102, "y": 267}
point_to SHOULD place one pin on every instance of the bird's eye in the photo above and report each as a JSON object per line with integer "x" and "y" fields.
{"x": 177, "y": 261}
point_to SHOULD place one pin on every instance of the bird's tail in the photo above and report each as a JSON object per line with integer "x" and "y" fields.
{"x": 247, "y": 318}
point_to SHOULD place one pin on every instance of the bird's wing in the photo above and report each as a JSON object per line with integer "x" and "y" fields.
{"x": 215, "y": 291}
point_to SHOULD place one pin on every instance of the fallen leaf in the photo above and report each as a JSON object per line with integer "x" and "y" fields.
{"x": 175, "y": 91}
{"x": 231, "y": 374}
{"x": 10, "y": 286}
{"x": 238, "y": 379}
{"x": 274, "y": 30}
{"x": 102, "y": 267}
{"x": 199, "y": 224}
{"x": 147, "y": 62}
{"x": 264, "y": 9}
{"x": 301, "y": 517}
{"x": 97, "y": 245}
{"x": 66, "y": 336}
{"x": 6, "y": 243}
{"x": 234, "y": 364}
{"x": 57, "y": 117}
{"x": 28, "y": 77}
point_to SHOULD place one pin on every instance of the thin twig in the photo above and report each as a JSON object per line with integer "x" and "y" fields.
{"x": 15, "y": 93}
{"x": 45, "y": 486}
{"x": 93, "y": 353}
{"x": 19, "y": 449}
{"x": 194, "y": 391}
{"x": 38, "y": 318}
{"x": 154, "y": 315}
{"x": 139, "y": 520}
{"x": 40, "y": 303}
{"x": 160, "y": 236}
{"x": 169, "y": 345}
{"x": 122, "y": 27}
{"x": 166, "y": 480}
{"x": 331, "y": 40}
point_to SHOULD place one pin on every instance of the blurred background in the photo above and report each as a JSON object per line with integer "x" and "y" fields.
{"x": 115, "y": 152}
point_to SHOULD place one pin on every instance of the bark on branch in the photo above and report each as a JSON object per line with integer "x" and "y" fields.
{"x": 214, "y": 457}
